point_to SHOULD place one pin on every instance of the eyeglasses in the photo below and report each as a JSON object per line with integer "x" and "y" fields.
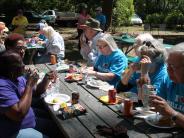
{"x": 148, "y": 44}
{"x": 101, "y": 46}
{"x": 21, "y": 47}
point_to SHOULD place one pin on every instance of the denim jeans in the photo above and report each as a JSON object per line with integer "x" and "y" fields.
{"x": 29, "y": 133}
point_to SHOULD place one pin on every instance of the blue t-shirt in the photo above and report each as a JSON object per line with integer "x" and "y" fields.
{"x": 102, "y": 19}
{"x": 10, "y": 94}
{"x": 115, "y": 63}
{"x": 173, "y": 93}
{"x": 155, "y": 78}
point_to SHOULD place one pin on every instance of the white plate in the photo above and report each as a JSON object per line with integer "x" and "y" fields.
{"x": 143, "y": 113}
{"x": 96, "y": 83}
{"x": 153, "y": 120}
{"x": 60, "y": 98}
{"x": 62, "y": 67}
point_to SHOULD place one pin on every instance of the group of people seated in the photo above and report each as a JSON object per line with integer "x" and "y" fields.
{"x": 165, "y": 70}
{"x": 164, "y": 67}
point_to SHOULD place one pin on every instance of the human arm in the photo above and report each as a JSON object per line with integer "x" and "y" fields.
{"x": 43, "y": 85}
{"x": 165, "y": 109}
{"x": 126, "y": 75}
{"x": 102, "y": 76}
{"x": 19, "y": 110}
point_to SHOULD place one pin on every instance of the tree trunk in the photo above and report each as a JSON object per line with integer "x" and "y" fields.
{"x": 107, "y": 6}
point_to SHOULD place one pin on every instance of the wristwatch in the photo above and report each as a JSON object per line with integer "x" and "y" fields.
{"x": 174, "y": 116}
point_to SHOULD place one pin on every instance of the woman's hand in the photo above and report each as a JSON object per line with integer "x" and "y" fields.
{"x": 50, "y": 76}
{"x": 32, "y": 79}
{"x": 161, "y": 105}
{"x": 134, "y": 67}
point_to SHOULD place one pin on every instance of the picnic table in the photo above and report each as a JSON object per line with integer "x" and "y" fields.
{"x": 84, "y": 126}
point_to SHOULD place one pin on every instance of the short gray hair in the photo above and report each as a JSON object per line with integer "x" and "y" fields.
{"x": 109, "y": 40}
{"x": 143, "y": 37}
{"x": 155, "y": 50}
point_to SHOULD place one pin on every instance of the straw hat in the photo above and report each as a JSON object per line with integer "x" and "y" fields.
{"x": 93, "y": 23}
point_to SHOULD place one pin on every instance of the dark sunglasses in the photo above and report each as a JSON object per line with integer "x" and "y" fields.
{"x": 148, "y": 44}
{"x": 21, "y": 47}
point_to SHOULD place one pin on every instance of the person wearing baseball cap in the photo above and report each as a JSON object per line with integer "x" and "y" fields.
{"x": 101, "y": 18}
{"x": 88, "y": 39}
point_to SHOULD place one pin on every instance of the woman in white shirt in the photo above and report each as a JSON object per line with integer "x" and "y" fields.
{"x": 54, "y": 45}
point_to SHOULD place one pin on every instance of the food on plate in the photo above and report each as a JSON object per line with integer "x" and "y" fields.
{"x": 105, "y": 99}
{"x": 165, "y": 121}
{"x": 56, "y": 100}
{"x": 73, "y": 77}
{"x": 63, "y": 105}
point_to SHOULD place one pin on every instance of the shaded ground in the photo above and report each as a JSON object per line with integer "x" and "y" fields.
{"x": 72, "y": 52}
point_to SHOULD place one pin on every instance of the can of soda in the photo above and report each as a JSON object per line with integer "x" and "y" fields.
{"x": 53, "y": 59}
{"x": 75, "y": 97}
{"x": 112, "y": 96}
{"x": 128, "y": 106}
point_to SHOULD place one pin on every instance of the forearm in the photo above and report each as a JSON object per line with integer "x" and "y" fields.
{"x": 18, "y": 111}
{"x": 42, "y": 86}
{"x": 180, "y": 119}
{"x": 104, "y": 76}
{"x": 126, "y": 76}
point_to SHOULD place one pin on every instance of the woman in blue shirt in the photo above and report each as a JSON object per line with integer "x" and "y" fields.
{"x": 153, "y": 50}
{"x": 111, "y": 61}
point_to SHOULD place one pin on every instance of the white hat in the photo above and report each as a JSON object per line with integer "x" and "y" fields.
{"x": 41, "y": 26}
{"x": 99, "y": 9}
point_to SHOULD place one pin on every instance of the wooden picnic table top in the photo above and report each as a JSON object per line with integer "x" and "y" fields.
{"x": 84, "y": 126}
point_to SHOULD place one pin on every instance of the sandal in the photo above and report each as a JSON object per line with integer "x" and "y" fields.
{"x": 115, "y": 132}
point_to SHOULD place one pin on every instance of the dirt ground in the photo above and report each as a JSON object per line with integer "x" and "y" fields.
{"x": 71, "y": 44}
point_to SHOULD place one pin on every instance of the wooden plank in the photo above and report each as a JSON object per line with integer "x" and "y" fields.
{"x": 93, "y": 94}
{"x": 103, "y": 112}
{"x": 70, "y": 127}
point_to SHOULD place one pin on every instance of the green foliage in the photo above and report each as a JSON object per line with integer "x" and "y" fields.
{"x": 174, "y": 18}
{"x": 122, "y": 11}
{"x": 155, "y": 18}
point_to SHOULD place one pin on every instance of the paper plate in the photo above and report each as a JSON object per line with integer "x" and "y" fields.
{"x": 57, "y": 98}
{"x": 157, "y": 121}
{"x": 73, "y": 77}
{"x": 94, "y": 83}
{"x": 105, "y": 99}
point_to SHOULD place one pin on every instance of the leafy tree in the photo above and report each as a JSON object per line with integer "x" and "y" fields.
{"x": 122, "y": 11}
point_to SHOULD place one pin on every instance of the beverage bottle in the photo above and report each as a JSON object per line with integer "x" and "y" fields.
{"x": 53, "y": 59}
{"x": 112, "y": 96}
{"x": 128, "y": 107}
{"x": 143, "y": 80}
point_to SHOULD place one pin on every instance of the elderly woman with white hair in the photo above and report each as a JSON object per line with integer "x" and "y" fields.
{"x": 152, "y": 53}
{"x": 54, "y": 45}
{"x": 111, "y": 62}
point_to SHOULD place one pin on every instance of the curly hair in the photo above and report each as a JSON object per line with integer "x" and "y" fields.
{"x": 12, "y": 39}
